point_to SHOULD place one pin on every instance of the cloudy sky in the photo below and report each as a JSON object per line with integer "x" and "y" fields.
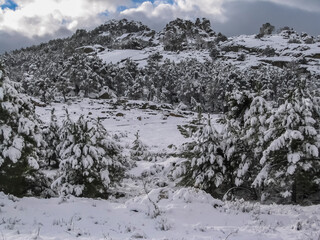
{"x": 27, "y": 22}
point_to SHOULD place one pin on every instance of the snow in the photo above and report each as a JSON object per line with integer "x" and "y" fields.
{"x": 26, "y": 126}
{"x": 285, "y": 51}
{"x": 6, "y": 132}
{"x": 117, "y": 56}
{"x": 12, "y": 153}
{"x": 294, "y": 158}
{"x": 141, "y": 56}
{"x": 153, "y": 130}
{"x": 1, "y": 91}
{"x": 185, "y": 213}
{"x": 33, "y": 163}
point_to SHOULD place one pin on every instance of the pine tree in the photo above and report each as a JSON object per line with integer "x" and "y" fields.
{"x": 90, "y": 159}
{"x": 206, "y": 169}
{"x": 139, "y": 150}
{"x": 291, "y": 158}
{"x": 20, "y": 137}
{"x": 252, "y": 136}
{"x": 52, "y": 140}
{"x": 236, "y": 152}
{"x": 135, "y": 91}
{"x": 233, "y": 149}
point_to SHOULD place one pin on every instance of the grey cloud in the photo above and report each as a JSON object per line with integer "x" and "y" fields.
{"x": 308, "y": 5}
{"x": 14, "y": 40}
{"x": 31, "y": 20}
{"x": 247, "y": 17}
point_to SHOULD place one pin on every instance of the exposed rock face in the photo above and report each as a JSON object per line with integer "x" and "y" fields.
{"x": 266, "y": 29}
{"x": 180, "y": 34}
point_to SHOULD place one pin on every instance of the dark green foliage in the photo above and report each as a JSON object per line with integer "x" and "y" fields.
{"x": 269, "y": 52}
{"x": 214, "y": 53}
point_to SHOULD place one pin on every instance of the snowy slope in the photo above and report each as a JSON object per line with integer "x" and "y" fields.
{"x": 254, "y": 51}
{"x": 141, "y": 56}
{"x": 285, "y": 51}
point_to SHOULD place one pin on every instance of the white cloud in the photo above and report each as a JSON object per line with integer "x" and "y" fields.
{"x": 39, "y": 17}
{"x": 157, "y": 14}
{"x": 180, "y": 8}
{"x": 209, "y": 7}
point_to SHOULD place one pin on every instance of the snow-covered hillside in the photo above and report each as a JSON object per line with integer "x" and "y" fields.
{"x": 245, "y": 51}
{"x": 277, "y": 50}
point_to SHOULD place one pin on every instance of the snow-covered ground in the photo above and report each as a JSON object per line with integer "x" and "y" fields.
{"x": 152, "y": 206}
{"x": 157, "y": 128}
{"x": 164, "y": 213}
{"x": 141, "y": 56}
{"x": 285, "y": 51}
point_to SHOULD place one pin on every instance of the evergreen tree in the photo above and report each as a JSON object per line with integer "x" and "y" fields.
{"x": 236, "y": 151}
{"x": 206, "y": 169}
{"x": 20, "y": 137}
{"x": 291, "y": 158}
{"x": 252, "y": 135}
{"x": 139, "y": 150}
{"x": 52, "y": 139}
{"x": 90, "y": 159}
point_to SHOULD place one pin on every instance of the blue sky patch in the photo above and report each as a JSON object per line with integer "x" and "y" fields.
{"x": 121, "y": 8}
{"x": 9, "y": 4}
{"x": 105, "y": 13}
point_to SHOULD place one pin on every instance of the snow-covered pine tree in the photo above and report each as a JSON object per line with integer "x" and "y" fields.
{"x": 135, "y": 91}
{"x": 20, "y": 137}
{"x": 233, "y": 145}
{"x": 90, "y": 160}
{"x": 291, "y": 158}
{"x": 139, "y": 150}
{"x": 252, "y": 136}
{"x": 52, "y": 139}
{"x": 206, "y": 169}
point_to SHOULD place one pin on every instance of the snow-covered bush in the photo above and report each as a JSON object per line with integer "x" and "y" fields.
{"x": 91, "y": 161}
{"x": 20, "y": 138}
